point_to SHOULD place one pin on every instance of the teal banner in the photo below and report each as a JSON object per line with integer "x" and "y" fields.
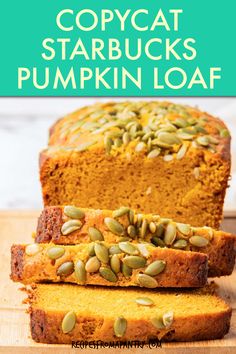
{"x": 118, "y": 48}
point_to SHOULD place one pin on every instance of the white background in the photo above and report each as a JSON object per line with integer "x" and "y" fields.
{"x": 24, "y": 124}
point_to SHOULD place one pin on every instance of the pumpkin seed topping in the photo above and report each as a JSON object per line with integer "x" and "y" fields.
{"x": 134, "y": 262}
{"x": 168, "y": 318}
{"x": 108, "y": 274}
{"x": 153, "y": 153}
{"x": 198, "y": 241}
{"x": 65, "y": 269}
{"x": 70, "y": 226}
{"x": 90, "y": 249}
{"x": 120, "y": 326}
{"x": 155, "y": 267}
{"x": 95, "y": 234}
{"x": 131, "y": 230}
{"x": 114, "y": 249}
{"x": 115, "y": 263}
{"x": 55, "y": 252}
{"x": 32, "y": 249}
{"x": 128, "y": 248}
{"x": 158, "y": 241}
{"x": 183, "y": 228}
{"x": 144, "y": 228}
{"x": 120, "y": 212}
{"x": 147, "y": 281}
{"x": 73, "y": 212}
{"x": 92, "y": 265}
{"x": 101, "y": 252}
{"x": 152, "y": 227}
{"x": 203, "y": 140}
{"x": 170, "y": 234}
{"x": 80, "y": 272}
{"x": 180, "y": 244}
{"x": 126, "y": 270}
{"x": 157, "y": 322}
{"x": 68, "y": 322}
{"x": 114, "y": 226}
{"x": 144, "y": 301}
{"x": 182, "y": 151}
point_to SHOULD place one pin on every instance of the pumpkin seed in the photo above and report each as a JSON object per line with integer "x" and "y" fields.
{"x": 158, "y": 242}
{"x": 153, "y": 153}
{"x": 170, "y": 234}
{"x": 155, "y": 267}
{"x": 131, "y": 231}
{"x": 147, "y": 281}
{"x": 168, "y": 318}
{"x": 115, "y": 263}
{"x": 182, "y": 151}
{"x": 32, "y": 249}
{"x": 126, "y": 271}
{"x": 128, "y": 248}
{"x": 199, "y": 241}
{"x": 180, "y": 244}
{"x": 70, "y": 226}
{"x": 134, "y": 262}
{"x": 80, "y": 272}
{"x": 120, "y": 326}
{"x": 196, "y": 172}
{"x": 213, "y": 140}
{"x": 120, "y": 212}
{"x": 114, "y": 226}
{"x": 65, "y": 269}
{"x": 161, "y": 144}
{"x": 157, "y": 322}
{"x": 117, "y": 142}
{"x": 124, "y": 239}
{"x": 108, "y": 274}
{"x": 224, "y": 133}
{"x": 180, "y": 123}
{"x": 140, "y": 146}
{"x": 139, "y": 219}
{"x": 95, "y": 234}
{"x": 144, "y": 301}
{"x": 101, "y": 252}
{"x": 91, "y": 251}
{"x": 114, "y": 249}
{"x": 144, "y": 228}
{"x": 55, "y": 252}
{"x": 73, "y": 212}
{"x": 68, "y": 322}
{"x": 84, "y": 146}
{"x": 152, "y": 227}
{"x": 168, "y": 158}
{"x": 169, "y": 138}
{"x": 203, "y": 140}
{"x": 143, "y": 249}
{"x": 159, "y": 230}
{"x": 131, "y": 216}
{"x": 183, "y": 228}
{"x": 126, "y": 138}
{"x": 185, "y": 136}
{"x": 92, "y": 265}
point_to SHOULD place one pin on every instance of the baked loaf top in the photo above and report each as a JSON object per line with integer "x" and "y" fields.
{"x": 100, "y": 263}
{"x": 156, "y": 128}
{"x": 73, "y": 225}
{"x": 62, "y": 313}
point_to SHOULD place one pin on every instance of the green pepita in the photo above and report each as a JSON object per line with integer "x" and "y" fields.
{"x": 95, "y": 234}
{"x": 198, "y": 241}
{"x": 126, "y": 271}
{"x": 131, "y": 216}
{"x": 168, "y": 318}
{"x": 65, "y": 269}
{"x": 128, "y": 248}
{"x": 153, "y": 153}
{"x": 157, "y": 322}
{"x": 144, "y": 301}
{"x": 115, "y": 263}
{"x": 73, "y": 212}
{"x": 120, "y": 326}
{"x": 114, "y": 226}
{"x": 80, "y": 272}
{"x": 90, "y": 249}
{"x": 134, "y": 262}
{"x": 68, "y": 322}
{"x": 152, "y": 227}
{"x": 131, "y": 231}
{"x": 101, "y": 252}
{"x": 183, "y": 228}
{"x": 180, "y": 244}
{"x": 147, "y": 281}
{"x": 55, "y": 252}
{"x": 182, "y": 151}
{"x": 169, "y": 138}
{"x": 155, "y": 268}
{"x": 158, "y": 241}
{"x": 114, "y": 249}
{"x": 108, "y": 274}
{"x": 203, "y": 140}
{"x": 32, "y": 249}
{"x": 126, "y": 138}
{"x": 144, "y": 228}
{"x": 70, "y": 226}
{"x": 92, "y": 265}
{"x": 120, "y": 212}
{"x": 170, "y": 234}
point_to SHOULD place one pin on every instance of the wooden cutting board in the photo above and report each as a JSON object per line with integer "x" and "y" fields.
{"x": 17, "y": 227}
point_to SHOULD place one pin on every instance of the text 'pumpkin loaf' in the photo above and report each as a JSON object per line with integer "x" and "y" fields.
{"x": 155, "y": 157}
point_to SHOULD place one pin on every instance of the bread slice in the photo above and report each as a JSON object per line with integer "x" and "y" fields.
{"x": 66, "y": 313}
{"x": 219, "y": 246}
{"x": 155, "y": 157}
{"x": 135, "y": 265}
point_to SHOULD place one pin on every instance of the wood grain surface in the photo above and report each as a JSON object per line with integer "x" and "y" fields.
{"x": 17, "y": 227}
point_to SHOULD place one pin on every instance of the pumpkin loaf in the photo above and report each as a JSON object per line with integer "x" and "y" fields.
{"x": 155, "y": 157}
{"x": 66, "y": 313}
{"x": 72, "y": 225}
{"x": 99, "y": 263}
